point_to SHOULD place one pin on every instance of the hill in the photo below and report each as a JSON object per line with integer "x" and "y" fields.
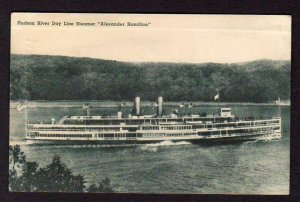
{"x": 42, "y": 77}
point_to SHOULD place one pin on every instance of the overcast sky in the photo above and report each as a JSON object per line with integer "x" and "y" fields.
{"x": 169, "y": 38}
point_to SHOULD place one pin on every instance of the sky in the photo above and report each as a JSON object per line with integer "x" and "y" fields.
{"x": 167, "y": 38}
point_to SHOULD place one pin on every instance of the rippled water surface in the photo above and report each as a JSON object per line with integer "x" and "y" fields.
{"x": 259, "y": 167}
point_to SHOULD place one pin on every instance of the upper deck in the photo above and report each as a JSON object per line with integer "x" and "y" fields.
{"x": 224, "y": 116}
{"x": 107, "y": 122}
{"x": 97, "y": 120}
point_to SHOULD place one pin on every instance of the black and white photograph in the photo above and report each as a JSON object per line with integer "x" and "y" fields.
{"x": 150, "y": 103}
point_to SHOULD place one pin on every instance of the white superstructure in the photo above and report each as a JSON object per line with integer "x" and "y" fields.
{"x": 138, "y": 128}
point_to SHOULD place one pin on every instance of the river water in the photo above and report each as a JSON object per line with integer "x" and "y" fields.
{"x": 259, "y": 167}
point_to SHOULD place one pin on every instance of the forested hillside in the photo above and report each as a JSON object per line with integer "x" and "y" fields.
{"x": 39, "y": 77}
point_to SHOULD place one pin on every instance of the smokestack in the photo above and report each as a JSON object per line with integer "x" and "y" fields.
{"x": 119, "y": 114}
{"x": 137, "y": 104}
{"x": 160, "y": 105}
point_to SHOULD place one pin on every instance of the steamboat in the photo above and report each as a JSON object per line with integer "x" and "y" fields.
{"x": 137, "y": 128}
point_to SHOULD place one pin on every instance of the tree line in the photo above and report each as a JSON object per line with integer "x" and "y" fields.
{"x": 37, "y": 77}
{"x": 27, "y": 176}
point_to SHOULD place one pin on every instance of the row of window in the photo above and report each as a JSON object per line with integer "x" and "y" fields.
{"x": 131, "y": 135}
{"x": 82, "y": 129}
{"x": 220, "y": 126}
{"x": 229, "y": 132}
{"x": 112, "y": 135}
{"x": 137, "y": 121}
{"x": 157, "y": 128}
{"x": 85, "y": 135}
{"x": 165, "y": 134}
{"x": 176, "y": 127}
{"x": 65, "y": 135}
{"x": 226, "y": 110}
{"x": 150, "y": 128}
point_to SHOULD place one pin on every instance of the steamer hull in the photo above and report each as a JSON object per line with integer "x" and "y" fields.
{"x": 141, "y": 129}
{"x": 195, "y": 139}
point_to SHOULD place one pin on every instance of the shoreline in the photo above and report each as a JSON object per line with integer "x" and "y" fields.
{"x": 113, "y": 104}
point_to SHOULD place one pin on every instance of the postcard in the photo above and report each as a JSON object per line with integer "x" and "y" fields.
{"x": 150, "y": 103}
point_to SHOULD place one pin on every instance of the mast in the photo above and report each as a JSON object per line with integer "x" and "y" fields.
{"x": 218, "y": 99}
{"x": 26, "y": 117}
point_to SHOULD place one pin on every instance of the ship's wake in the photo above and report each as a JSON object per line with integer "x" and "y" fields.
{"x": 270, "y": 137}
{"x": 168, "y": 143}
{"x": 143, "y": 147}
{"x": 266, "y": 138}
{"x": 153, "y": 147}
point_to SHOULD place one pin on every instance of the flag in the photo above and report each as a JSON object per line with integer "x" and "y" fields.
{"x": 21, "y": 106}
{"x": 85, "y": 106}
{"x": 217, "y": 96}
